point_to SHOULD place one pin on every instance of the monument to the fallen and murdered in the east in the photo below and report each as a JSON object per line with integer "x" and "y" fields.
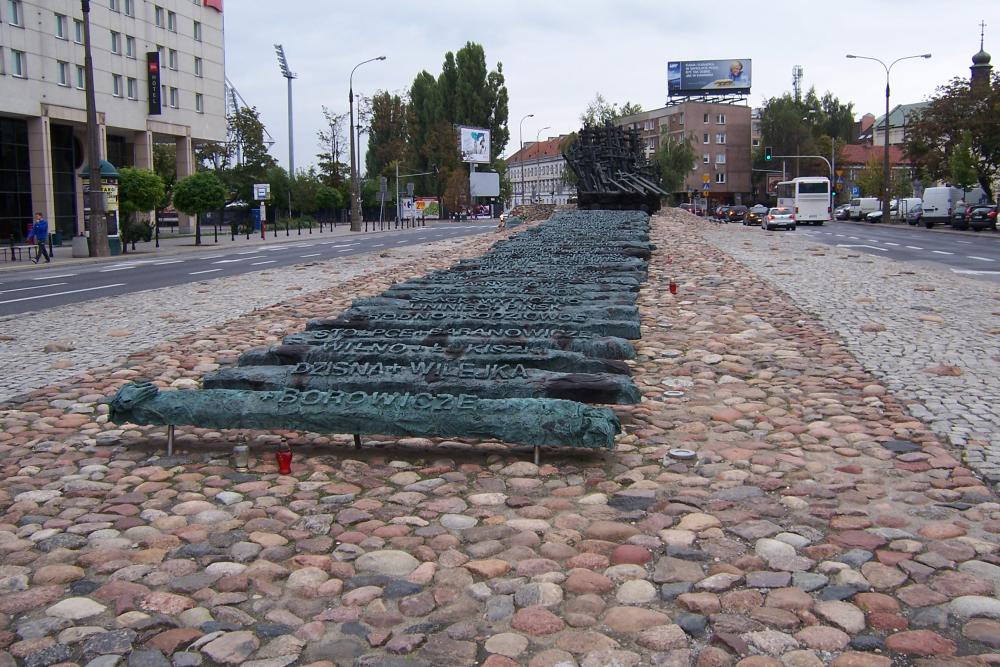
{"x": 513, "y": 345}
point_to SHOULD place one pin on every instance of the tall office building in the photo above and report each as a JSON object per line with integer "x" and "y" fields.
{"x": 159, "y": 78}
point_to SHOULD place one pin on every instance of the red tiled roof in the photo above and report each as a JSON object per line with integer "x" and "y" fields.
{"x": 863, "y": 153}
{"x": 542, "y": 149}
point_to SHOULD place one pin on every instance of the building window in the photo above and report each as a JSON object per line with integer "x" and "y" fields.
{"x": 172, "y": 21}
{"x": 648, "y": 125}
{"x": 129, "y": 7}
{"x": 174, "y": 97}
{"x": 116, "y": 42}
{"x": 720, "y": 119}
{"x": 706, "y": 158}
{"x": 706, "y": 119}
{"x": 162, "y": 52}
{"x": 113, "y": 4}
{"x": 704, "y": 138}
{"x": 720, "y": 158}
{"x": 133, "y": 88}
{"x": 78, "y": 31}
{"x": 158, "y": 15}
{"x": 18, "y": 64}
{"x": 61, "y": 32}
{"x": 199, "y": 103}
{"x": 172, "y": 59}
{"x": 197, "y": 31}
{"x": 197, "y": 66}
{"x": 755, "y": 142}
{"x": 129, "y": 46}
{"x": 3, "y": 63}
{"x": 14, "y": 12}
{"x": 720, "y": 138}
{"x": 81, "y": 77}
{"x": 720, "y": 177}
{"x": 63, "y": 70}
{"x": 116, "y": 85}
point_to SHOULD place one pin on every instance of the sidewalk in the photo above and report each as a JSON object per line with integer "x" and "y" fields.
{"x": 174, "y": 244}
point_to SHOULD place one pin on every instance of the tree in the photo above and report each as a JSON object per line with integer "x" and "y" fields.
{"x": 328, "y": 199}
{"x": 962, "y": 164}
{"x": 305, "y": 190}
{"x": 165, "y": 166}
{"x": 940, "y": 127}
{"x": 198, "y": 194}
{"x": 387, "y": 134}
{"x": 599, "y": 111}
{"x": 870, "y": 180}
{"x": 333, "y": 170}
{"x": 675, "y": 159}
{"x": 139, "y": 190}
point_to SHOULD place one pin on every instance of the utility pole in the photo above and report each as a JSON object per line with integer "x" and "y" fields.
{"x": 98, "y": 224}
{"x": 355, "y": 190}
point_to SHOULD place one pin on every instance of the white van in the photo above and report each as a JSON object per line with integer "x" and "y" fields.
{"x": 860, "y": 207}
{"x": 939, "y": 204}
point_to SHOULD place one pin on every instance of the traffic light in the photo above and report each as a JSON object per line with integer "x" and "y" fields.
{"x": 767, "y": 153}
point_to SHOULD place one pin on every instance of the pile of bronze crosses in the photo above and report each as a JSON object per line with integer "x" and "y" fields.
{"x": 517, "y": 346}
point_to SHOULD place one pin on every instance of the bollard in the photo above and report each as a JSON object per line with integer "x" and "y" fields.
{"x": 298, "y": 224}
{"x": 157, "y": 231}
{"x": 215, "y": 229}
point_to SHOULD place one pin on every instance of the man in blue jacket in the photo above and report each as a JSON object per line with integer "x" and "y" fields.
{"x": 40, "y": 234}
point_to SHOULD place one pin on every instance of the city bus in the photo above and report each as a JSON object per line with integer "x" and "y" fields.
{"x": 808, "y": 196}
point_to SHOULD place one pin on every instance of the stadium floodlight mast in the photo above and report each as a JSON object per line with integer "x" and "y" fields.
{"x": 355, "y": 190}
{"x": 886, "y": 170}
{"x": 288, "y": 74}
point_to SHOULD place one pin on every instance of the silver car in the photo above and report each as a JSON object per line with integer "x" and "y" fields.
{"x": 779, "y": 217}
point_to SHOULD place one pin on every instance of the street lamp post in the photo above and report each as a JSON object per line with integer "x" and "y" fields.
{"x": 355, "y": 192}
{"x": 538, "y": 158}
{"x": 886, "y": 170}
{"x": 520, "y": 139}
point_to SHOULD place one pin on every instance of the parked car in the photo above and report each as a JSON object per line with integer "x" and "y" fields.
{"x": 842, "y": 211}
{"x": 779, "y": 217}
{"x": 736, "y": 213}
{"x": 958, "y": 216}
{"x": 910, "y": 210}
{"x": 722, "y": 214}
{"x": 982, "y": 216}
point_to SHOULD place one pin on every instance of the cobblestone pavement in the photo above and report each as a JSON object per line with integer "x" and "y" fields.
{"x": 929, "y": 335}
{"x": 821, "y": 523}
{"x": 62, "y": 342}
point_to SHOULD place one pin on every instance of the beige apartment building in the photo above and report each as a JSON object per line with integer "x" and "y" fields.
{"x": 721, "y": 136}
{"x": 43, "y": 142}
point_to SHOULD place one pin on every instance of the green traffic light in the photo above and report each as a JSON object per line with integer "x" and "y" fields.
{"x": 767, "y": 153}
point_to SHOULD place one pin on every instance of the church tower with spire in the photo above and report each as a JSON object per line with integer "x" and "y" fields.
{"x": 981, "y": 67}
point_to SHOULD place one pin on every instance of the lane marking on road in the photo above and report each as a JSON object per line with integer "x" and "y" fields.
{"x": 964, "y": 242}
{"x": 270, "y": 261}
{"x": 315, "y": 254}
{"x": 198, "y": 273}
{"x": 981, "y": 259}
{"x": 212, "y": 256}
{"x": 840, "y": 236}
{"x": 844, "y": 245}
{"x": 61, "y": 275}
{"x": 914, "y": 247}
{"x": 172, "y": 261}
{"x": 116, "y": 268}
{"x": 942, "y": 252}
{"x": 379, "y": 245}
{"x": 970, "y": 272}
{"x": 22, "y": 289}
{"x": 74, "y": 291}
{"x": 890, "y": 243}
{"x": 241, "y": 259}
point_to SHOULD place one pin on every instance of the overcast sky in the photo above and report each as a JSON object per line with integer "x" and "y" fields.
{"x": 557, "y": 55}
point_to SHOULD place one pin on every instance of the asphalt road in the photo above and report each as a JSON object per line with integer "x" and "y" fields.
{"x": 974, "y": 255}
{"x": 25, "y": 292}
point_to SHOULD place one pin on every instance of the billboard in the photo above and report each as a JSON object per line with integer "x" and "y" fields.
{"x": 427, "y": 207}
{"x": 153, "y": 82}
{"x": 687, "y": 77}
{"x": 484, "y": 184}
{"x": 474, "y": 142}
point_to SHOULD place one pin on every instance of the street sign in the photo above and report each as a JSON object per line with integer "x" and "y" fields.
{"x": 840, "y": 172}
{"x": 855, "y": 190}
{"x": 705, "y": 178}
{"x": 840, "y": 180}
{"x": 706, "y": 186}
{"x": 261, "y": 191}
{"x": 383, "y": 185}
{"x": 409, "y": 189}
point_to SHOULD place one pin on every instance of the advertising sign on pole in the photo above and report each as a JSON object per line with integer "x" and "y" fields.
{"x": 261, "y": 191}
{"x": 484, "y": 184}
{"x": 686, "y": 77}
{"x": 474, "y": 144}
{"x": 153, "y": 82}
{"x": 427, "y": 207}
